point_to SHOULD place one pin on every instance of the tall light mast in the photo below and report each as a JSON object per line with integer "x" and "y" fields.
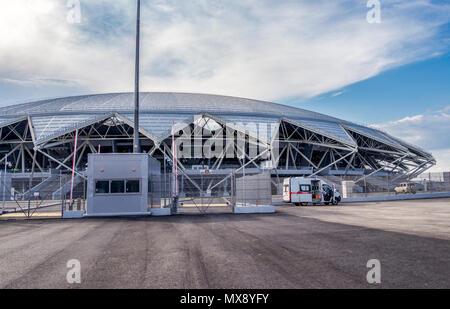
{"x": 136, "y": 145}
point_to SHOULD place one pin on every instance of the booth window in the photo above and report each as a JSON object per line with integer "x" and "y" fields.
{"x": 102, "y": 186}
{"x": 117, "y": 186}
{"x": 133, "y": 186}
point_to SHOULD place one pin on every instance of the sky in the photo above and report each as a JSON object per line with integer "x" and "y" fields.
{"x": 319, "y": 55}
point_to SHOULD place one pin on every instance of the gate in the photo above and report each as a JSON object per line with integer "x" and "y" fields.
{"x": 215, "y": 191}
{"x": 205, "y": 193}
{"x": 40, "y": 195}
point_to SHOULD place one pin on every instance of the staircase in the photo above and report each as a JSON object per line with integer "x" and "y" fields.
{"x": 44, "y": 188}
{"x": 64, "y": 189}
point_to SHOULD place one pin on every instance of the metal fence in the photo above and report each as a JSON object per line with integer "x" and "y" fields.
{"x": 210, "y": 192}
{"x": 195, "y": 193}
{"x": 387, "y": 185}
{"x": 380, "y": 185}
{"x": 200, "y": 192}
{"x": 159, "y": 192}
{"x": 253, "y": 189}
{"x": 41, "y": 196}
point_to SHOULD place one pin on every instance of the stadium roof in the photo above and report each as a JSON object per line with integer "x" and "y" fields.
{"x": 54, "y": 117}
{"x": 187, "y": 103}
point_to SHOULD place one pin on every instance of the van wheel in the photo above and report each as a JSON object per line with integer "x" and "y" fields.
{"x": 297, "y": 204}
{"x": 326, "y": 203}
{"x": 303, "y": 204}
{"x": 335, "y": 202}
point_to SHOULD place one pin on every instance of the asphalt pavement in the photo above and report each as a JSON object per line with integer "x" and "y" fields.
{"x": 297, "y": 247}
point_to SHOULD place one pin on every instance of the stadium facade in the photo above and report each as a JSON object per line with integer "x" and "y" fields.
{"x": 217, "y": 133}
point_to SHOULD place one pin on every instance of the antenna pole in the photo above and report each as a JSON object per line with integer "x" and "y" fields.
{"x": 136, "y": 146}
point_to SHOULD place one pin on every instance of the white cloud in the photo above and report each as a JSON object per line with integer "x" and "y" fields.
{"x": 430, "y": 131}
{"x": 39, "y": 82}
{"x": 336, "y": 94}
{"x": 260, "y": 49}
{"x": 442, "y": 157}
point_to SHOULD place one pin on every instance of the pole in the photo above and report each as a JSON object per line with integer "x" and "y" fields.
{"x": 174, "y": 172}
{"x": 175, "y": 163}
{"x": 73, "y": 165}
{"x": 4, "y": 184}
{"x": 165, "y": 180}
{"x": 243, "y": 184}
{"x": 30, "y": 183}
{"x": 61, "y": 194}
{"x": 136, "y": 146}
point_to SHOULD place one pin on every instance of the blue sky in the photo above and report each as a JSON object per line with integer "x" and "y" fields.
{"x": 400, "y": 92}
{"x": 319, "y": 55}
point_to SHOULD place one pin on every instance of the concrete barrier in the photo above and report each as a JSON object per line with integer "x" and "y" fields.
{"x": 119, "y": 214}
{"x": 396, "y": 197}
{"x": 72, "y": 214}
{"x": 159, "y": 212}
{"x": 253, "y": 209}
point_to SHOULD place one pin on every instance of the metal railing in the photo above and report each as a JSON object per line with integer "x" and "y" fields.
{"x": 40, "y": 196}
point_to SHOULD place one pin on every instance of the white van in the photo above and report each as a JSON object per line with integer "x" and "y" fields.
{"x": 304, "y": 191}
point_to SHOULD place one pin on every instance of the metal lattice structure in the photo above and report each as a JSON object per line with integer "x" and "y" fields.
{"x": 39, "y": 136}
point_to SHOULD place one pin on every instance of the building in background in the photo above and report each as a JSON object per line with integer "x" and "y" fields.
{"x": 213, "y": 133}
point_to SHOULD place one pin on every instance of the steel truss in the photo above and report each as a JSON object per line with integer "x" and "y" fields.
{"x": 295, "y": 148}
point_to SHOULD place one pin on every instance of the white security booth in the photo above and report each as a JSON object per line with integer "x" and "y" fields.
{"x": 118, "y": 184}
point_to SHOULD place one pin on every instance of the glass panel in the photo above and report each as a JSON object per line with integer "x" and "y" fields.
{"x": 49, "y": 126}
{"x": 263, "y": 127}
{"x": 305, "y": 188}
{"x": 374, "y": 134}
{"x": 160, "y": 125}
{"x": 117, "y": 186}
{"x": 102, "y": 186}
{"x": 133, "y": 186}
{"x": 331, "y": 128}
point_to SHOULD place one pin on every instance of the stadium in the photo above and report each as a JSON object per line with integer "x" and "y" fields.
{"x": 38, "y": 137}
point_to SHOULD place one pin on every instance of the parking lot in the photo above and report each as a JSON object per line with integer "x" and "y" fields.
{"x": 298, "y": 247}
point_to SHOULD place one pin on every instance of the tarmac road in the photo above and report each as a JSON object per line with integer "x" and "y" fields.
{"x": 298, "y": 247}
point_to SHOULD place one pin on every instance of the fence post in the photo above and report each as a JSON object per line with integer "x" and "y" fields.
{"x": 62, "y": 207}
{"x": 388, "y": 188}
{"x": 233, "y": 190}
{"x": 84, "y": 193}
